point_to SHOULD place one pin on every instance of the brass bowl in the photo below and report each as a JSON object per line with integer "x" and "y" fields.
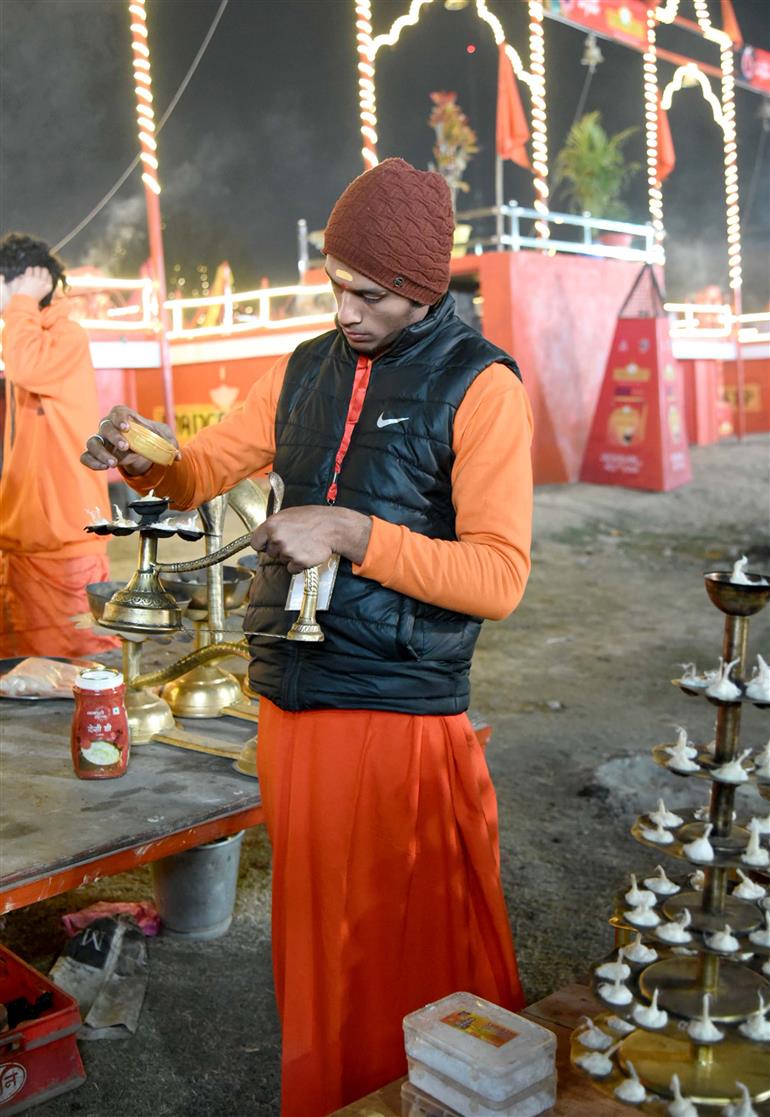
{"x": 99, "y": 593}
{"x": 734, "y": 598}
{"x": 194, "y": 584}
{"x": 149, "y": 444}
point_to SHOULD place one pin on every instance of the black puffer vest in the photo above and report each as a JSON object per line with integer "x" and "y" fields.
{"x": 382, "y": 649}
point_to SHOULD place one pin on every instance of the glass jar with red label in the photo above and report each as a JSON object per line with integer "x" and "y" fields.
{"x": 99, "y": 725}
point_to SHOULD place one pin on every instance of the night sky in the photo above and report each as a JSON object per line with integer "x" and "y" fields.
{"x": 267, "y": 131}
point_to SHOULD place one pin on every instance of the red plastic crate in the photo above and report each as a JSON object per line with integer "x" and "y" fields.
{"x": 38, "y": 1058}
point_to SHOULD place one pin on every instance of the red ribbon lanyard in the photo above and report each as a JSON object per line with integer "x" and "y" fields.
{"x": 357, "y": 397}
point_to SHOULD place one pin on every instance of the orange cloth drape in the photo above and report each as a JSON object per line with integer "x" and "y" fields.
{"x": 38, "y": 598}
{"x": 512, "y": 128}
{"x": 666, "y": 153}
{"x": 386, "y": 889}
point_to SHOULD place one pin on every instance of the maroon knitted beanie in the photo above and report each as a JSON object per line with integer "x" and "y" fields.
{"x": 394, "y": 224}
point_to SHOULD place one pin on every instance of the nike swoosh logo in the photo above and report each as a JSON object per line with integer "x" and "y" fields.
{"x": 383, "y": 422}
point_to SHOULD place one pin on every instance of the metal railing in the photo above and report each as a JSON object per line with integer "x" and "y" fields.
{"x": 716, "y": 320}
{"x": 509, "y": 228}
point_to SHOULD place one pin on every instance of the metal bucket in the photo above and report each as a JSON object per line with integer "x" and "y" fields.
{"x": 195, "y": 889}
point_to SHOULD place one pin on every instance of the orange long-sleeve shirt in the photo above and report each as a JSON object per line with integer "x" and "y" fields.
{"x": 483, "y": 573}
{"x": 51, "y": 410}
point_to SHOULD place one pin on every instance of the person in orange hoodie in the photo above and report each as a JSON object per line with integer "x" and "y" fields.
{"x": 46, "y": 560}
{"x": 403, "y": 437}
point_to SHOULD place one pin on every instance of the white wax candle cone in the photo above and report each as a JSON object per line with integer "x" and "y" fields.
{"x": 758, "y": 686}
{"x": 733, "y": 771}
{"x": 723, "y": 687}
{"x": 637, "y": 952}
{"x": 754, "y": 854}
{"x": 616, "y": 969}
{"x": 702, "y": 1029}
{"x": 662, "y": 816}
{"x": 761, "y": 937}
{"x": 748, "y": 889}
{"x": 679, "y": 759}
{"x": 620, "y": 1026}
{"x": 631, "y": 1089}
{"x": 615, "y": 992}
{"x": 756, "y": 1027}
{"x": 650, "y": 1016}
{"x": 636, "y": 896}
{"x": 598, "y": 1064}
{"x": 592, "y": 1037}
{"x": 742, "y": 1107}
{"x": 761, "y": 825}
{"x": 683, "y": 743}
{"x": 660, "y": 884}
{"x": 701, "y": 849}
{"x": 724, "y": 941}
{"x": 738, "y": 574}
{"x": 643, "y": 915}
{"x": 680, "y": 1106}
{"x": 676, "y": 931}
{"x": 659, "y": 835}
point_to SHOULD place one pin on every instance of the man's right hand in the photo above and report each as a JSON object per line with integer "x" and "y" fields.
{"x": 108, "y": 448}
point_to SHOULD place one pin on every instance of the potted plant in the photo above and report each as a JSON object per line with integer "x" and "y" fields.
{"x": 591, "y": 171}
{"x": 455, "y": 144}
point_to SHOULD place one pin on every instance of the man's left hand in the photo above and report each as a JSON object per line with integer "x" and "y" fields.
{"x": 309, "y": 535}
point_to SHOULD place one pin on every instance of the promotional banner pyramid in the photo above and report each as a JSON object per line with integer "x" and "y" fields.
{"x": 638, "y": 437}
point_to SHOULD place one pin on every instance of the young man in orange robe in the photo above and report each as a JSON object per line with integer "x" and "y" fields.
{"x": 46, "y": 560}
{"x": 403, "y": 438}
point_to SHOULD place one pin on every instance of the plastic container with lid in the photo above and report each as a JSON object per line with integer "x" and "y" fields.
{"x": 480, "y": 1059}
{"x": 99, "y": 737}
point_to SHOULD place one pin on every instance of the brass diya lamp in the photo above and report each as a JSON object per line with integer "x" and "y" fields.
{"x": 146, "y": 606}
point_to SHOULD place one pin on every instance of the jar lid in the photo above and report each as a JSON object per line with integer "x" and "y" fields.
{"x": 99, "y": 678}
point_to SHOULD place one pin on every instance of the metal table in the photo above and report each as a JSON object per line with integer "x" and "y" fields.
{"x": 57, "y": 831}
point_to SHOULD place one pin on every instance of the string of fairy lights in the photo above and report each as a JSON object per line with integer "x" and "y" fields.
{"x": 145, "y": 114}
{"x": 723, "y": 108}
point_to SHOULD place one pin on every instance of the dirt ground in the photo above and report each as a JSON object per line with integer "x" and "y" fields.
{"x": 577, "y": 687}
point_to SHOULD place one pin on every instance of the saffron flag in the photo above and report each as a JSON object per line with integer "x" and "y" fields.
{"x": 512, "y": 127}
{"x": 730, "y": 24}
{"x": 666, "y": 153}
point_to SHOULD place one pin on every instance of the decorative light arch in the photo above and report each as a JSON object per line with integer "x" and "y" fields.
{"x": 724, "y": 115}
{"x": 368, "y": 46}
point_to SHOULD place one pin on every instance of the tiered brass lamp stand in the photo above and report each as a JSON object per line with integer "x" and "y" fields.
{"x": 686, "y": 1029}
{"x": 153, "y": 601}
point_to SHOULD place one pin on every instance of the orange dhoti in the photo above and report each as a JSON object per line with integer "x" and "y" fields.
{"x": 386, "y": 889}
{"x": 38, "y": 598}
